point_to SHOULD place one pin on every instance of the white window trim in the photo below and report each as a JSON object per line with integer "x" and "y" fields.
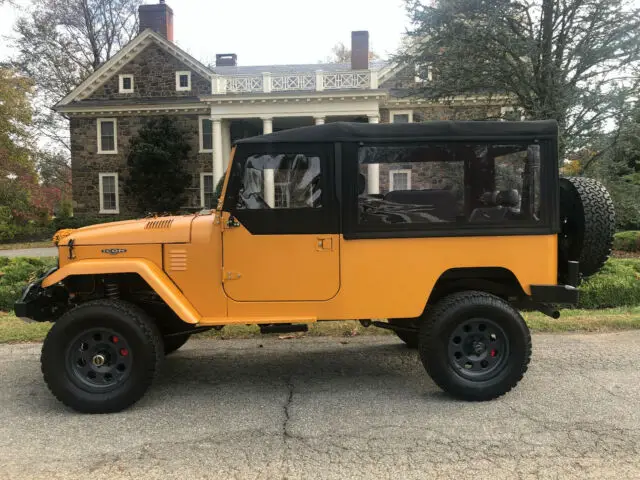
{"x": 200, "y": 131}
{"x": 178, "y": 87}
{"x": 202, "y": 177}
{"x": 115, "y": 136}
{"x": 399, "y": 170}
{"x": 100, "y": 186}
{"x": 121, "y": 84}
{"x": 402, "y": 112}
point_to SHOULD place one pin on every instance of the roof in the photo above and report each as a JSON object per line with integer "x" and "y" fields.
{"x": 302, "y": 68}
{"x": 111, "y": 67}
{"x": 351, "y": 131}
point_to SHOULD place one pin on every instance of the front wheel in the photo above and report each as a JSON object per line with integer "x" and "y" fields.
{"x": 101, "y": 356}
{"x": 475, "y": 345}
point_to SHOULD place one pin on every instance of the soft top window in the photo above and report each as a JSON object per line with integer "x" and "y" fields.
{"x": 447, "y": 184}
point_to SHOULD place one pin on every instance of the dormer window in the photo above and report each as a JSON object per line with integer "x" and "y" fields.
{"x": 183, "y": 81}
{"x": 126, "y": 84}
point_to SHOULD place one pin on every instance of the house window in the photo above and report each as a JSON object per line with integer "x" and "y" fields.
{"x": 206, "y": 190}
{"x": 107, "y": 135}
{"x": 399, "y": 180}
{"x": 126, "y": 83}
{"x": 109, "y": 193}
{"x": 183, "y": 81}
{"x": 206, "y": 134}
{"x": 402, "y": 116}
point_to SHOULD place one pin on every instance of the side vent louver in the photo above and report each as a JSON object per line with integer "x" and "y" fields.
{"x": 177, "y": 260}
{"x": 158, "y": 224}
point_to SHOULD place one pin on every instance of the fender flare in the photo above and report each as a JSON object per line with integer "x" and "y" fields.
{"x": 149, "y": 271}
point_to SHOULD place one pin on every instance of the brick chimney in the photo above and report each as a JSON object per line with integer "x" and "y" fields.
{"x": 158, "y": 18}
{"x": 360, "y": 50}
{"x": 226, "y": 60}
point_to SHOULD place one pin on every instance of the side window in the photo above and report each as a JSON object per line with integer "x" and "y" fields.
{"x": 439, "y": 185}
{"x": 280, "y": 181}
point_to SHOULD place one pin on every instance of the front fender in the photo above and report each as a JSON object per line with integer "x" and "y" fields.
{"x": 149, "y": 271}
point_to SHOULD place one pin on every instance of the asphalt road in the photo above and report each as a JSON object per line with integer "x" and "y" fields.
{"x": 30, "y": 252}
{"x": 334, "y": 408}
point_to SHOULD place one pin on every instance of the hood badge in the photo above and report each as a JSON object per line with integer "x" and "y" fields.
{"x": 114, "y": 251}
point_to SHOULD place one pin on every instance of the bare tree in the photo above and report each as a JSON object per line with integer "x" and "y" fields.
{"x": 61, "y": 42}
{"x": 569, "y": 60}
{"x": 341, "y": 54}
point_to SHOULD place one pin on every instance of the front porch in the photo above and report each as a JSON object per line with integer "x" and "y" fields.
{"x": 233, "y": 118}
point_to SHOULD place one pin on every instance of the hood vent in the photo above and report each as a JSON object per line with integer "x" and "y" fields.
{"x": 158, "y": 224}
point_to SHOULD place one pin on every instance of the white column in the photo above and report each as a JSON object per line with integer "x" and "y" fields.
{"x": 319, "y": 120}
{"x": 218, "y": 169}
{"x": 226, "y": 143}
{"x": 267, "y": 125}
{"x": 373, "y": 169}
{"x": 269, "y": 187}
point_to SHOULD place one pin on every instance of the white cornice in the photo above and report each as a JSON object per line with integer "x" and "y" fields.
{"x": 297, "y": 97}
{"x": 133, "y": 109}
{"x": 124, "y": 56}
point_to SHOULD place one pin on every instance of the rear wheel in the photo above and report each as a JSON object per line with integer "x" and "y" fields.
{"x": 475, "y": 345}
{"x": 101, "y": 356}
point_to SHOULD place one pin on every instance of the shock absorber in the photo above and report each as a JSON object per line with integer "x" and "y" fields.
{"x": 111, "y": 290}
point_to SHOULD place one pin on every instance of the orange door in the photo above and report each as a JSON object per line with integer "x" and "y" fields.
{"x": 302, "y": 267}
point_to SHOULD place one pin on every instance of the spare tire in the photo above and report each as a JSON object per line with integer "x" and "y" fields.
{"x": 587, "y": 225}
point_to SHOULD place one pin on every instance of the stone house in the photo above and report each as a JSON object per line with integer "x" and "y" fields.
{"x": 151, "y": 76}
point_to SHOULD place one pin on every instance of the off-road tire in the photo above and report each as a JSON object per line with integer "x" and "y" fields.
{"x": 587, "y": 221}
{"x": 410, "y": 338}
{"x": 134, "y": 327}
{"x": 174, "y": 342}
{"x": 450, "y": 314}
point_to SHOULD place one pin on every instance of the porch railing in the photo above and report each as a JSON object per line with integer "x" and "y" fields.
{"x": 294, "y": 82}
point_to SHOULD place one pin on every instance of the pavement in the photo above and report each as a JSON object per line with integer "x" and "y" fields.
{"x": 30, "y": 252}
{"x": 334, "y": 408}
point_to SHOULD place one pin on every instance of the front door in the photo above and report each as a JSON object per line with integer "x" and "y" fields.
{"x": 280, "y": 226}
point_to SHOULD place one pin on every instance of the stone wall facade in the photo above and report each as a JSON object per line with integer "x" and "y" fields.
{"x": 154, "y": 76}
{"x": 87, "y": 164}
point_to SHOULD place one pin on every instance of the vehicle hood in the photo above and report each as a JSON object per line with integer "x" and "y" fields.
{"x": 131, "y": 232}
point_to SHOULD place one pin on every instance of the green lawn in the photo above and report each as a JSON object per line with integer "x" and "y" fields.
{"x": 20, "y": 246}
{"x": 14, "y": 330}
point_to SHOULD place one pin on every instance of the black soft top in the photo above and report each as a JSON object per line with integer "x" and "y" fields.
{"x": 352, "y": 131}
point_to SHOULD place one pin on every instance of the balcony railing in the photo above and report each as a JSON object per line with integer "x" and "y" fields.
{"x": 295, "y": 82}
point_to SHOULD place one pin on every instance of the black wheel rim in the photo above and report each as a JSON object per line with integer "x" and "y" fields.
{"x": 478, "y": 349}
{"x": 99, "y": 360}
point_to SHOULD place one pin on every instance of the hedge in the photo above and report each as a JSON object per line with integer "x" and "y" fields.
{"x": 627, "y": 241}
{"x": 15, "y": 273}
{"x": 616, "y": 285}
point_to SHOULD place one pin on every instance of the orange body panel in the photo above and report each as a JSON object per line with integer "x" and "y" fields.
{"x": 280, "y": 267}
{"x": 150, "y": 272}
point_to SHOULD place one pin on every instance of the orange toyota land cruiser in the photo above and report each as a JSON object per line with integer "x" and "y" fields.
{"x": 440, "y": 231}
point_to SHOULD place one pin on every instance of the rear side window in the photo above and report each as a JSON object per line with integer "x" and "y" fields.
{"x": 280, "y": 181}
{"x": 440, "y": 185}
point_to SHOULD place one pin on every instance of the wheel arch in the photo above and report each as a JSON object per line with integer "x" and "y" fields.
{"x": 147, "y": 270}
{"x": 498, "y": 281}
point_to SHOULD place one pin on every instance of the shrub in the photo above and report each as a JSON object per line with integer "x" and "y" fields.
{"x": 616, "y": 285}
{"x": 15, "y": 273}
{"x": 627, "y": 241}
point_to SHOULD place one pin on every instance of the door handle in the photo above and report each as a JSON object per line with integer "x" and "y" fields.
{"x": 325, "y": 244}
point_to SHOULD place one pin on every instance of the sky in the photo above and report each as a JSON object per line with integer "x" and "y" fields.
{"x": 270, "y": 32}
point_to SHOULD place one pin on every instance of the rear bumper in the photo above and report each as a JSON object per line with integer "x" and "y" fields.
{"x": 555, "y": 294}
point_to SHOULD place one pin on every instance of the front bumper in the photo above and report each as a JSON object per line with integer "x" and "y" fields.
{"x": 37, "y": 304}
{"x": 555, "y": 294}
